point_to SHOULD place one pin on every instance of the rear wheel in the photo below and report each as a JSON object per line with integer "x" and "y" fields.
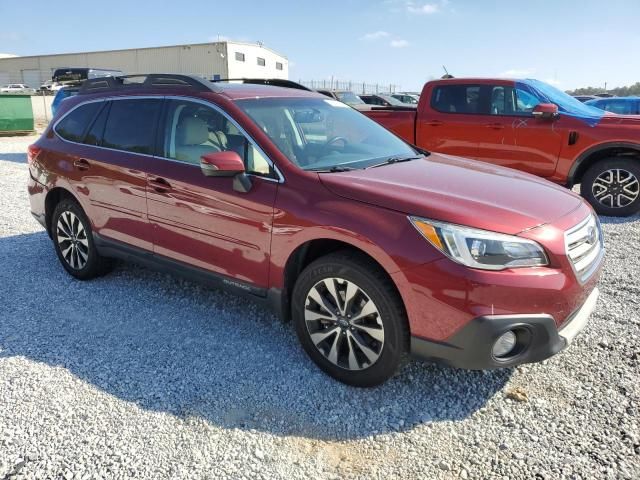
{"x": 350, "y": 319}
{"x": 612, "y": 186}
{"x": 73, "y": 242}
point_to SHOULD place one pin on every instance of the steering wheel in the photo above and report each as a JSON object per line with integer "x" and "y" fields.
{"x": 327, "y": 145}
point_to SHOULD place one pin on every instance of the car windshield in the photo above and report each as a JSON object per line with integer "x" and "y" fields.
{"x": 324, "y": 134}
{"x": 349, "y": 98}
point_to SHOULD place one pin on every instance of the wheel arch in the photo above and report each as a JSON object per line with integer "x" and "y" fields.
{"x": 600, "y": 152}
{"x": 55, "y": 196}
{"x": 311, "y": 250}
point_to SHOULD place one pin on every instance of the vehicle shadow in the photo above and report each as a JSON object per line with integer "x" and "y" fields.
{"x": 619, "y": 220}
{"x": 13, "y": 157}
{"x": 173, "y": 346}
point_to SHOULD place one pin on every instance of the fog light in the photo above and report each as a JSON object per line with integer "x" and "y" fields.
{"x": 504, "y": 345}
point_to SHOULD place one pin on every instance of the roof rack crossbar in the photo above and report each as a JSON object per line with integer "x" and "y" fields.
{"x": 102, "y": 84}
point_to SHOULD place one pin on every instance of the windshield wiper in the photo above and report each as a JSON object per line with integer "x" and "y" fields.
{"x": 391, "y": 160}
{"x": 335, "y": 168}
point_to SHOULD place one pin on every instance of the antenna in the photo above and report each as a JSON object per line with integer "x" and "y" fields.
{"x": 446, "y": 73}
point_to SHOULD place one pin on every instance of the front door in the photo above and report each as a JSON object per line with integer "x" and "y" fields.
{"x": 202, "y": 221}
{"x": 514, "y": 137}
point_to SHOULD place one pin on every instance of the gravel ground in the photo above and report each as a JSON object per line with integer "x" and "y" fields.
{"x": 142, "y": 375}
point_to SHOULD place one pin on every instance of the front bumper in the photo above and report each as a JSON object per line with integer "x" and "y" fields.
{"x": 538, "y": 339}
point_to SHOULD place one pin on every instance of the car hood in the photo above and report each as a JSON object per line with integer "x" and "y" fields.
{"x": 457, "y": 190}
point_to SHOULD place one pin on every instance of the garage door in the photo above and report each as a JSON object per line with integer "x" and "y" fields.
{"x": 31, "y": 78}
{"x": 4, "y": 78}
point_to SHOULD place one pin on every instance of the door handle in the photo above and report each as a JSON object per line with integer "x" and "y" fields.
{"x": 433, "y": 123}
{"x": 495, "y": 126}
{"x": 81, "y": 164}
{"x": 160, "y": 185}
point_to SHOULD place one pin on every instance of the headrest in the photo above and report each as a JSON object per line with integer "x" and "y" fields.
{"x": 192, "y": 131}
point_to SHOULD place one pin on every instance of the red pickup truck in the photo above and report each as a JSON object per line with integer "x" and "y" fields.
{"x": 530, "y": 126}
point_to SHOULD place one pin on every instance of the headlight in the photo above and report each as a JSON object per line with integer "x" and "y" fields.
{"x": 480, "y": 248}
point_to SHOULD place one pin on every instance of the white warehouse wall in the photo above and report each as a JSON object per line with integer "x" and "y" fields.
{"x": 205, "y": 59}
{"x": 250, "y": 68}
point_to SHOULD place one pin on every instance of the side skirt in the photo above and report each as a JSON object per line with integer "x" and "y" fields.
{"x": 115, "y": 249}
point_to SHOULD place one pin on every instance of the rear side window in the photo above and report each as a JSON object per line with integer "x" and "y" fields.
{"x": 456, "y": 99}
{"x": 131, "y": 125}
{"x": 73, "y": 126}
{"x": 94, "y": 135}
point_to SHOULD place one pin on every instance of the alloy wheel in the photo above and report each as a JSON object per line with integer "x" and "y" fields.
{"x": 344, "y": 323}
{"x": 72, "y": 240}
{"x": 616, "y": 188}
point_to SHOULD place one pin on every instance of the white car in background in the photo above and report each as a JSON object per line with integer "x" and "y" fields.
{"x": 17, "y": 88}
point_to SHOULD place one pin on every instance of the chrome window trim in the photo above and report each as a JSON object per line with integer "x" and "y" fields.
{"x": 280, "y": 178}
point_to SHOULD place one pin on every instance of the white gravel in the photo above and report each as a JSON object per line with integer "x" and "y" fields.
{"x": 142, "y": 375}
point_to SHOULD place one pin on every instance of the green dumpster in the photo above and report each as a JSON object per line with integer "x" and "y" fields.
{"x": 16, "y": 113}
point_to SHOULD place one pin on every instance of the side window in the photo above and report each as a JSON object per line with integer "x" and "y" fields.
{"x": 502, "y": 100}
{"x": 456, "y": 99}
{"x": 506, "y": 100}
{"x": 73, "y": 126}
{"x": 193, "y": 129}
{"x": 525, "y": 101}
{"x": 94, "y": 135}
{"x": 131, "y": 125}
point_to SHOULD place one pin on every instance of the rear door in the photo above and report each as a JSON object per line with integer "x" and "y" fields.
{"x": 202, "y": 221}
{"x": 110, "y": 166}
{"x": 450, "y": 121}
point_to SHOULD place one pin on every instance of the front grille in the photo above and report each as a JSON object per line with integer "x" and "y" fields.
{"x": 585, "y": 247}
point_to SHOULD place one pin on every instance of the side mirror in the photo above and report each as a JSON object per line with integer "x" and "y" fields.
{"x": 221, "y": 164}
{"x": 545, "y": 110}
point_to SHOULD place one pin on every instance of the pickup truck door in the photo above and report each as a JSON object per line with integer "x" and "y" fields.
{"x": 203, "y": 221}
{"x": 447, "y": 121}
{"x": 514, "y": 138}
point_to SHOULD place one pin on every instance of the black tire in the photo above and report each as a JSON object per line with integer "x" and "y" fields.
{"x": 76, "y": 265}
{"x": 374, "y": 285}
{"x": 630, "y": 169}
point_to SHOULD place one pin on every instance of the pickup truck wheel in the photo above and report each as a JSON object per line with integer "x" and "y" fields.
{"x": 350, "y": 319}
{"x": 73, "y": 242}
{"x": 612, "y": 186}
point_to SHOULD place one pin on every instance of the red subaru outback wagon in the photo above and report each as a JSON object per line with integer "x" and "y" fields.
{"x": 372, "y": 247}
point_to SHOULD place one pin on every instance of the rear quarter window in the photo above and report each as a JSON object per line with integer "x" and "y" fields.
{"x": 74, "y": 125}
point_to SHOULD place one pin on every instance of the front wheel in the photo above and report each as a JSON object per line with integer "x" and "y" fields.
{"x": 612, "y": 186}
{"x": 350, "y": 319}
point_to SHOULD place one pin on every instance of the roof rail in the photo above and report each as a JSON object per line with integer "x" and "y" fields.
{"x": 274, "y": 82}
{"x": 104, "y": 84}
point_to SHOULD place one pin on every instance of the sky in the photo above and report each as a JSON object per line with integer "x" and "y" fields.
{"x": 568, "y": 43}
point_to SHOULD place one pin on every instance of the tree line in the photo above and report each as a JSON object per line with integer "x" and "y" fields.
{"x": 619, "y": 91}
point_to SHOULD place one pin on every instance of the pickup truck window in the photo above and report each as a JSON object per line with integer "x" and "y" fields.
{"x": 507, "y": 100}
{"x": 457, "y": 99}
{"x": 321, "y": 134}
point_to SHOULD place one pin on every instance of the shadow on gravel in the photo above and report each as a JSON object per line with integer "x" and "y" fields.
{"x": 617, "y": 220}
{"x": 169, "y": 345}
{"x": 13, "y": 157}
